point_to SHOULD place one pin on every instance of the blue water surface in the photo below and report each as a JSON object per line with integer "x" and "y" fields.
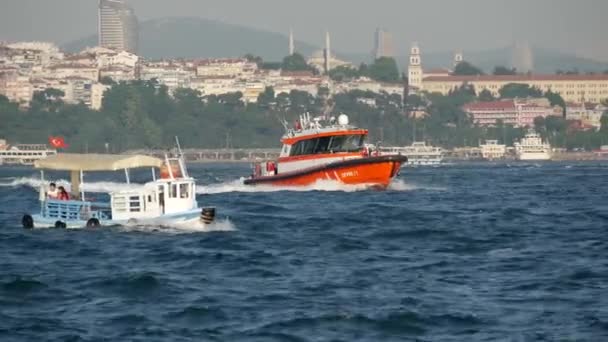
{"x": 462, "y": 252}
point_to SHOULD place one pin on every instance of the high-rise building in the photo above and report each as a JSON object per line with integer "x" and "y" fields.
{"x": 327, "y": 54}
{"x": 383, "y": 44}
{"x": 522, "y": 58}
{"x": 117, "y": 26}
{"x": 292, "y": 47}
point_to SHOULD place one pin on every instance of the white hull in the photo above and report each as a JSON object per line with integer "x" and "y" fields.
{"x": 534, "y": 156}
{"x": 422, "y": 161}
{"x": 192, "y": 216}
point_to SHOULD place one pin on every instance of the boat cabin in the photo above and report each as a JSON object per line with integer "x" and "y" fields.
{"x": 310, "y": 143}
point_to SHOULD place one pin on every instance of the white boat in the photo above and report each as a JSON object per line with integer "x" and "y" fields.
{"x": 418, "y": 153}
{"x": 164, "y": 201}
{"x": 532, "y": 147}
{"x": 492, "y": 150}
{"x": 23, "y": 154}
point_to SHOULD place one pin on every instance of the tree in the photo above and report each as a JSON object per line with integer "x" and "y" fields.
{"x": 295, "y": 62}
{"x": 415, "y": 101}
{"x": 107, "y": 80}
{"x": 485, "y": 95}
{"x": 465, "y": 68}
{"x": 343, "y": 72}
{"x": 604, "y": 123}
{"x": 266, "y": 97}
{"x": 539, "y": 124}
{"x": 255, "y": 59}
{"x": 363, "y": 70}
{"x": 501, "y": 70}
{"x": 271, "y": 65}
{"x": 555, "y": 99}
{"x": 513, "y": 90}
{"x": 384, "y": 69}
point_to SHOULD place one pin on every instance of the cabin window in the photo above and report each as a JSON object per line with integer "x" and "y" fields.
{"x": 183, "y": 190}
{"x": 134, "y": 204}
{"x": 335, "y": 144}
{"x": 173, "y": 193}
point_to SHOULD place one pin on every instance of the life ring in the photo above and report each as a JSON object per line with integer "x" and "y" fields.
{"x": 27, "y": 221}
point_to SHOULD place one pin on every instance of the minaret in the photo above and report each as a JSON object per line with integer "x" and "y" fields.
{"x": 414, "y": 69}
{"x": 327, "y": 54}
{"x": 292, "y": 48}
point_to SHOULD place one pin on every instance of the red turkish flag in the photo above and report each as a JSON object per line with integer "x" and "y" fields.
{"x": 57, "y": 142}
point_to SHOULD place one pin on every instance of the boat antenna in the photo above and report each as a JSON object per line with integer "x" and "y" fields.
{"x": 283, "y": 122}
{"x": 179, "y": 148}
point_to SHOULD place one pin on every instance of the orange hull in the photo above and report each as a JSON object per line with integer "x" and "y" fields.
{"x": 374, "y": 171}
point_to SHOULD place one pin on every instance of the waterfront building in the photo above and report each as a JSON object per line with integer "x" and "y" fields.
{"x": 492, "y": 150}
{"x": 117, "y": 26}
{"x": 516, "y": 112}
{"x": 16, "y": 87}
{"x": 588, "y": 114}
{"x": 572, "y": 88}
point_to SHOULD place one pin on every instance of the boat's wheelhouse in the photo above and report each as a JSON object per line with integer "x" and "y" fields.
{"x": 164, "y": 196}
{"x": 317, "y": 148}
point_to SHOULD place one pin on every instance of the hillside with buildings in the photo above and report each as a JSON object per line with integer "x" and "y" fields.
{"x": 115, "y": 93}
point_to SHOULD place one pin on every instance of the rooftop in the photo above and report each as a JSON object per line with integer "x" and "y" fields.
{"x": 517, "y": 78}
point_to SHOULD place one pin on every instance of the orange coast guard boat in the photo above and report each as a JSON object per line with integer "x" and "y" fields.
{"x": 312, "y": 152}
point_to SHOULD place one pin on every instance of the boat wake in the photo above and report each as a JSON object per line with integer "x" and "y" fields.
{"x": 237, "y": 185}
{"x": 94, "y": 187}
{"x": 224, "y": 225}
{"x": 321, "y": 185}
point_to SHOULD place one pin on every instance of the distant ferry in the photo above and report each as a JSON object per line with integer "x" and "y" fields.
{"x": 492, "y": 150}
{"x": 418, "y": 153}
{"x": 23, "y": 154}
{"x": 532, "y": 147}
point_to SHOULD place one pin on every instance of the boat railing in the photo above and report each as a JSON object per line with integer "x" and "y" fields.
{"x": 77, "y": 210}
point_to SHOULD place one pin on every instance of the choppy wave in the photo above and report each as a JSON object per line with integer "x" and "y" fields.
{"x": 469, "y": 252}
{"x": 237, "y": 185}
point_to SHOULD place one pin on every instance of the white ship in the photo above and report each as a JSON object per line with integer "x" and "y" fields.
{"x": 23, "y": 154}
{"x": 418, "y": 153}
{"x": 492, "y": 150}
{"x": 532, "y": 147}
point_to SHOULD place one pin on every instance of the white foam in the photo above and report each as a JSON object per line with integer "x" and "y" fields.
{"x": 239, "y": 186}
{"x": 94, "y": 187}
{"x": 224, "y": 225}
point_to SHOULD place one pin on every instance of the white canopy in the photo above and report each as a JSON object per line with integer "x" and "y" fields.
{"x": 96, "y": 162}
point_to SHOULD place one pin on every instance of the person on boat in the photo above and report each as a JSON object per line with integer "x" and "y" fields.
{"x": 63, "y": 195}
{"x": 52, "y": 192}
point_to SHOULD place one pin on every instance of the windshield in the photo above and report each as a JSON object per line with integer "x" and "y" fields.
{"x": 333, "y": 144}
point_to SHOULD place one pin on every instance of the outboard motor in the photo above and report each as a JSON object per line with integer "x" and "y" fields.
{"x": 207, "y": 215}
{"x": 27, "y": 221}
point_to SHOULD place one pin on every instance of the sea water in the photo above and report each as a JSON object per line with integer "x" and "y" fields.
{"x": 463, "y": 252}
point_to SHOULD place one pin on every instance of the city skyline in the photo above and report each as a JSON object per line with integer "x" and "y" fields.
{"x": 472, "y": 25}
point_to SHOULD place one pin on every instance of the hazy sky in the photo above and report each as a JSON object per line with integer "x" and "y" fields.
{"x": 579, "y": 26}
